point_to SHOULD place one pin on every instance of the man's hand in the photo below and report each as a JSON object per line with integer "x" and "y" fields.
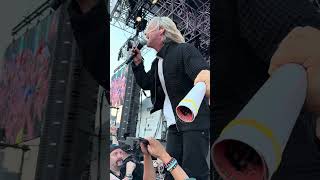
{"x": 302, "y": 46}
{"x": 130, "y": 166}
{"x": 86, "y": 5}
{"x": 204, "y": 76}
{"x": 138, "y": 58}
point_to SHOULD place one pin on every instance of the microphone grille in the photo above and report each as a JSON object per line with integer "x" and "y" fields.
{"x": 143, "y": 42}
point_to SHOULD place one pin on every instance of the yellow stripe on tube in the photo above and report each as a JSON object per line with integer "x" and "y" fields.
{"x": 264, "y": 130}
{"x": 193, "y": 103}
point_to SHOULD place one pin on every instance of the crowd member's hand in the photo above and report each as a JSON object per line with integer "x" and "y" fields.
{"x": 137, "y": 58}
{"x": 144, "y": 149}
{"x": 301, "y": 46}
{"x": 86, "y": 5}
{"x": 113, "y": 130}
{"x": 204, "y": 76}
{"x": 156, "y": 149}
{"x": 130, "y": 166}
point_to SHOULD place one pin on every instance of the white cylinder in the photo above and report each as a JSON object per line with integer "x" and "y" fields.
{"x": 262, "y": 128}
{"x": 189, "y": 106}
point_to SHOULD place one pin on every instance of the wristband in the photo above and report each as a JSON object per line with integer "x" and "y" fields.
{"x": 173, "y": 166}
{"x": 166, "y": 164}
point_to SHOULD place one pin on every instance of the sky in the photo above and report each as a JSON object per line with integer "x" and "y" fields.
{"x": 11, "y": 14}
{"x": 117, "y": 38}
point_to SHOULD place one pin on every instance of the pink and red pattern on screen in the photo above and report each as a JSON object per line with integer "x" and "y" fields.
{"x": 24, "y": 81}
{"x": 118, "y": 87}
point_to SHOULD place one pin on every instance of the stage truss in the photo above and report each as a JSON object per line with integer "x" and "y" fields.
{"x": 191, "y": 16}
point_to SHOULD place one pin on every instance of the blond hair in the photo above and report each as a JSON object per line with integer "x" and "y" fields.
{"x": 171, "y": 30}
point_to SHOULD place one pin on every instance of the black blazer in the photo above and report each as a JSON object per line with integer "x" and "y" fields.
{"x": 181, "y": 64}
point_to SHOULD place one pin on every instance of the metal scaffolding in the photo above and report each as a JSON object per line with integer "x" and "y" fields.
{"x": 191, "y": 16}
{"x": 194, "y": 24}
{"x": 119, "y": 15}
{"x": 316, "y": 3}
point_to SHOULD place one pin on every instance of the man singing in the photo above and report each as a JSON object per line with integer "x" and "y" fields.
{"x": 173, "y": 73}
{"x": 181, "y": 67}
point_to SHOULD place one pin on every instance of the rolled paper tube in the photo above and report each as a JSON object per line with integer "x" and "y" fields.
{"x": 189, "y": 106}
{"x": 250, "y": 147}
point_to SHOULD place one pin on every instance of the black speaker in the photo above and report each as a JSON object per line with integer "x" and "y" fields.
{"x": 68, "y": 131}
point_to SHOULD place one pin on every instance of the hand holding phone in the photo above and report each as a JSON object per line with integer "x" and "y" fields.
{"x": 144, "y": 141}
{"x": 144, "y": 146}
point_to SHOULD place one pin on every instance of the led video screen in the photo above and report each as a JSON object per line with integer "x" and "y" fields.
{"x": 25, "y": 72}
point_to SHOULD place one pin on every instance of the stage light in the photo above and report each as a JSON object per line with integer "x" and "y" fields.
{"x": 139, "y": 15}
{"x": 154, "y": 1}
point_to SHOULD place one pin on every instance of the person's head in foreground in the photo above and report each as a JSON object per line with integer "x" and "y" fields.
{"x": 161, "y": 30}
{"x": 116, "y": 157}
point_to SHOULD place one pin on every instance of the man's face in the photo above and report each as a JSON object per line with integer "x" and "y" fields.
{"x": 116, "y": 157}
{"x": 153, "y": 35}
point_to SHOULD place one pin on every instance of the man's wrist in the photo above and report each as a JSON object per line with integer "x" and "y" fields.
{"x": 146, "y": 156}
{"x": 165, "y": 158}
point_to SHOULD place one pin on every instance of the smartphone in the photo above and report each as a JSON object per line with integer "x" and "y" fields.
{"x": 144, "y": 141}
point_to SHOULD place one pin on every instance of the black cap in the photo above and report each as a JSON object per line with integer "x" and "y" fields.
{"x": 124, "y": 147}
{"x": 114, "y": 147}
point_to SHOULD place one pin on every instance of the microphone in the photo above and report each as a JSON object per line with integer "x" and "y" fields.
{"x": 140, "y": 45}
